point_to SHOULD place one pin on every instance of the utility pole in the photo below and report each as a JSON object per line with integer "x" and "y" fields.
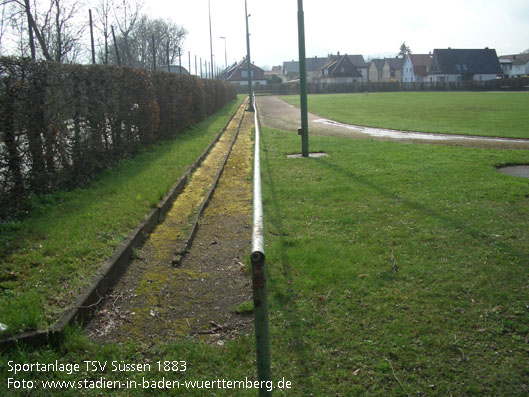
{"x": 304, "y": 131}
{"x": 248, "y": 61}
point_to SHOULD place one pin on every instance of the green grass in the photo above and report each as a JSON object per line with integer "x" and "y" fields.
{"x": 395, "y": 269}
{"x": 469, "y": 113}
{"x": 397, "y": 255}
{"x": 48, "y": 257}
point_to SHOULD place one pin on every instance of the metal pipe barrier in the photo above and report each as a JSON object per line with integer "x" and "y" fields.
{"x": 259, "y": 274}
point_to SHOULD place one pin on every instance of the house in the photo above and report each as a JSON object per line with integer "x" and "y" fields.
{"x": 392, "y": 69}
{"x": 375, "y": 70}
{"x": 515, "y": 65}
{"x": 238, "y": 74}
{"x": 415, "y": 68}
{"x": 313, "y": 66}
{"x": 341, "y": 70}
{"x": 360, "y": 64}
{"x": 275, "y": 75}
{"x": 177, "y": 69}
{"x": 464, "y": 64}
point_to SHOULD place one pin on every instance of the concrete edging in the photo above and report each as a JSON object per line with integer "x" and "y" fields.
{"x": 113, "y": 268}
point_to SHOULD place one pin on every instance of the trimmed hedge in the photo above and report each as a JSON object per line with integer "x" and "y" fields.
{"x": 61, "y": 124}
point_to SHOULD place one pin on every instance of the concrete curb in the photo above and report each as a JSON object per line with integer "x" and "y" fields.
{"x": 114, "y": 267}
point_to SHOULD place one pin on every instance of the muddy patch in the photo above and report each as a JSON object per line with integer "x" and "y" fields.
{"x": 515, "y": 170}
{"x": 156, "y": 301}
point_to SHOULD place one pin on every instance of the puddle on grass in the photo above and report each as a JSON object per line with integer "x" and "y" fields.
{"x": 515, "y": 170}
{"x": 311, "y": 155}
{"x": 395, "y": 134}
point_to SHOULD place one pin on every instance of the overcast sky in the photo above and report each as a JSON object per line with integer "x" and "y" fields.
{"x": 371, "y": 28}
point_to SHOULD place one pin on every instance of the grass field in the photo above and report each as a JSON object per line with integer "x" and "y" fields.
{"x": 388, "y": 275}
{"x": 395, "y": 269}
{"x": 48, "y": 257}
{"x": 469, "y": 113}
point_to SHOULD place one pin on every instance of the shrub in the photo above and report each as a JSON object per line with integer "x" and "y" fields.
{"x": 62, "y": 124}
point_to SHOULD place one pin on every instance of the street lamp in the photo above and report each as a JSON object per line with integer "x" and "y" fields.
{"x": 248, "y": 61}
{"x": 225, "y": 53}
{"x": 210, "y": 38}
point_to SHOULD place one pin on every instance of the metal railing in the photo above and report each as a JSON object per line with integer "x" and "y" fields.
{"x": 259, "y": 274}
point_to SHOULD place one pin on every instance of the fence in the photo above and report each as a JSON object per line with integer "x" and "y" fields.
{"x": 519, "y": 84}
{"x": 61, "y": 124}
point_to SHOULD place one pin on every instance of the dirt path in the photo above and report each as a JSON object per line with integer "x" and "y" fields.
{"x": 275, "y": 113}
{"x": 156, "y": 301}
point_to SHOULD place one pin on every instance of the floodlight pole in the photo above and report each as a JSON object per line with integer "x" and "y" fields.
{"x": 248, "y": 61}
{"x": 304, "y": 131}
{"x": 210, "y": 39}
{"x": 225, "y": 54}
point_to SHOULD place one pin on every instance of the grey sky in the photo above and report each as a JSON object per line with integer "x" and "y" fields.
{"x": 370, "y": 28}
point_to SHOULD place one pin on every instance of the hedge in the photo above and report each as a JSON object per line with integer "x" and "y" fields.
{"x": 62, "y": 124}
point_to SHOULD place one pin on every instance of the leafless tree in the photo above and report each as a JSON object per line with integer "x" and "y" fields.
{"x": 62, "y": 34}
{"x": 103, "y": 10}
{"x": 56, "y": 30}
{"x": 148, "y": 39}
{"x": 127, "y": 13}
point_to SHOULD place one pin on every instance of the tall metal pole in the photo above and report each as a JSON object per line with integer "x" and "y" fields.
{"x": 168, "y": 63}
{"x": 153, "y": 53}
{"x": 304, "y": 131}
{"x": 30, "y": 30}
{"x": 210, "y": 38}
{"x": 115, "y": 45}
{"x": 248, "y": 61}
{"x": 92, "y": 38}
{"x": 179, "y": 61}
{"x": 225, "y": 54}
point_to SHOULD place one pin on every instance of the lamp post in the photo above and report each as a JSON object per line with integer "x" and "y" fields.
{"x": 248, "y": 60}
{"x": 304, "y": 131}
{"x": 210, "y": 38}
{"x": 225, "y": 53}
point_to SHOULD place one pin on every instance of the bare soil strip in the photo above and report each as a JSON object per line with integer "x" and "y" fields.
{"x": 275, "y": 113}
{"x": 156, "y": 301}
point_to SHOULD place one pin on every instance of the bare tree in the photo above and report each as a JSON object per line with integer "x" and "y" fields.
{"x": 103, "y": 11}
{"x": 148, "y": 39}
{"x": 127, "y": 13}
{"x": 61, "y": 32}
{"x": 56, "y": 30}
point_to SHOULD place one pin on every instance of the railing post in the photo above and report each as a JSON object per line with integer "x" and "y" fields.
{"x": 259, "y": 276}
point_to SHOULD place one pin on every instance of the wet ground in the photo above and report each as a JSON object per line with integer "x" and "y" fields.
{"x": 275, "y": 113}
{"x": 157, "y": 301}
{"x": 516, "y": 170}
